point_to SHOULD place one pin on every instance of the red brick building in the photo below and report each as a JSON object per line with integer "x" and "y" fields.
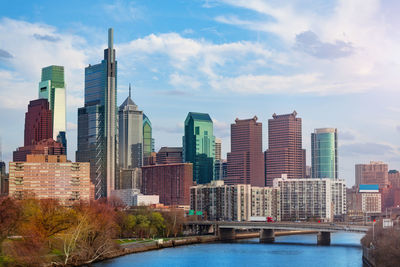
{"x": 285, "y": 154}
{"x": 44, "y": 147}
{"x": 171, "y": 182}
{"x": 246, "y": 159}
{"x": 168, "y": 155}
{"x": 38, "y": 122}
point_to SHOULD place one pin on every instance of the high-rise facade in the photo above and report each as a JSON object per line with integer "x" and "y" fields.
{"x": 199, "y": 146}
{"x": 148, "y": 141}
{"x": 246, "y": 159}
{"x": 324, "y": 153}
{"x": 50, "y": 176}
{"x": 38, "y": 122}
{"x": 376, "y": 172}
{"x": 130, "y": 135}
{"x": 168, "y": 155}
{"x": 285, "y": 154}
{"x": 52, "y": 88}
{"x": 97, "y": 122}
{"x": 218, "y": 147}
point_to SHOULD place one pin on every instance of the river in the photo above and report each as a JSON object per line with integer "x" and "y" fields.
{"x": 297, "y": 250}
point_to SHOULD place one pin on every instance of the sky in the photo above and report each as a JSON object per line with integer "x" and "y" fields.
{"x": 337, "y": 63}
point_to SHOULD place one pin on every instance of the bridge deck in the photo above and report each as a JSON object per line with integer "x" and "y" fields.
{"x": 322, "y": 227}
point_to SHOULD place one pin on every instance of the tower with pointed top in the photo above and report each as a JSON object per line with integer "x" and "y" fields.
{"x": 97, "y": 122}
{"x": 130, "y": 134}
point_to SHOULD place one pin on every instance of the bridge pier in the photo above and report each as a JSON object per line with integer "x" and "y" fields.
{"x": 324, "y": 238}
{"x": 267, "y": 236}
{"x": 227, "y": 234}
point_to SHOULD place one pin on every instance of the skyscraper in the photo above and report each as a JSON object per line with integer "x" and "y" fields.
{"x": 130, "y": 134}
{"x": 246, "y": 159}
{"x": 324, "y": 159}
{"x": 376, "y": 172}
{"x": 218, "y": 146}
{"x": 148, "y": 142}
{"x": 284, "y": 154}
{"x": 199, "y": 146}
{"x": 97, "y": 122}
{"x": 38, "y": 122}
{"x": 52, "y": 88}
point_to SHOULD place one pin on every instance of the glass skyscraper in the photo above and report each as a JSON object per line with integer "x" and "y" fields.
{"x": 130, "y": 134}
{"x": 148, "y": 141}
{"x": 199, "y": 146}
{"x": 97, "y": 122}
{"x": 52, "y": 88}
{"x": 324, "y": 157}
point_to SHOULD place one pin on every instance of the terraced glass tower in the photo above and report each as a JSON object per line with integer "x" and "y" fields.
{"x": 52, "y": 88}
{"x": 199, "y": 146}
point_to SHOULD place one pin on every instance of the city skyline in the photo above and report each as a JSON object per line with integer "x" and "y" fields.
{"x": 366, "y": 118}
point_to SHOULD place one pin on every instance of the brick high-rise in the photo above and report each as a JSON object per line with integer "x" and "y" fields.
{"x": 246, "y": 160}
{"x": 38, "y": 122}
{"x": 284, "y": 154}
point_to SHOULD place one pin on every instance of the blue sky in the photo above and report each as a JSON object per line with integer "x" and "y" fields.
{"x": 336, "y": 63}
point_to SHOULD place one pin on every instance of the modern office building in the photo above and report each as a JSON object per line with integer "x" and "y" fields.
{"x": 45, "y": 147}
{"x": 2, "y": 177}
{"x": 311, "y": 199}
{"x": 221, "y": 169}
{"x": 168, "y": 155}
{"x": 324, "y": 153}
{"x": 218, "y": 148}
{"x": 148, "y": 141}
{"x": 129, "y": 179}
{"x": 246, "y": 159}
{"x": 130, "y": 134}
{"x": 97, "y": 122}
{"x": 376, "y": 172}
{"x": 199, "y": 146}
{"x": 171, "y": 182}
{"x": 50, "y": 176}
{"x": 38, "y": 122}
{"x": 52, "y": 88}
{"x": 285, "y": 154}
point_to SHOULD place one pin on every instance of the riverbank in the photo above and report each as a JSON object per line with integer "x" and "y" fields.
{"x": 135, "y": 247}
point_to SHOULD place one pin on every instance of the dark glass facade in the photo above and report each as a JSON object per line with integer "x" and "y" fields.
{"x": 324, "y": 158}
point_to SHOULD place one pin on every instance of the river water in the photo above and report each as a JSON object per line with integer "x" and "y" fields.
{"x": 297, "y": 250}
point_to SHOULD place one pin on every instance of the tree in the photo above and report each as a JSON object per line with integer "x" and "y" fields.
{"x": 10, "y": 214}
{"x": 157, "y": 224}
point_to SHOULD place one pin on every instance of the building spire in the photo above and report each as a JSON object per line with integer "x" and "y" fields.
{"x": 129, "y": 90}
{"x": 110, "y": 38}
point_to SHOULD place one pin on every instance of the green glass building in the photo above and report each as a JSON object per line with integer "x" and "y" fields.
{"x": 52, "y": 88}
{"x": 324, "y": 155}
{"x": 148, "y": 141}
{"x": 199, "y": 146}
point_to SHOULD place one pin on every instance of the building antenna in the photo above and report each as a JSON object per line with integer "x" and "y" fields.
{"x": 129, "y": 90}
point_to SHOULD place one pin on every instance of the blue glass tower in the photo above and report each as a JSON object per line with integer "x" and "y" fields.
{"x": 97, "y": 122}
{"x": 324, "y": 157}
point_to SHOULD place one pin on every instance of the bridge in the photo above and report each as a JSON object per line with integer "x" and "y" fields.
{"x": 227, "y": 230}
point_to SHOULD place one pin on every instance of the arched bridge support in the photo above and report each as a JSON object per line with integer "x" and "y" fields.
{"x": 227, "y": 234}
{"x": 267, "y": 236}
{"x": 324, "y": 239}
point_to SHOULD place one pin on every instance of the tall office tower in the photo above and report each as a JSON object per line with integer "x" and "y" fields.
{"x": 324, "y": 157}
{"x": 376, "y": 172}
{"x": 246, "y": 159}
{"x": 38, "y": 123}
{"x": 52, "y": 88}
{"x": 199, "y": 146}
{"x": 130, "y": 134}
{"x": 97, "y": 122}
{"x": 148, "y": 141}
{"x": 284, "y": 154}
{"x": 218, "y": 146}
